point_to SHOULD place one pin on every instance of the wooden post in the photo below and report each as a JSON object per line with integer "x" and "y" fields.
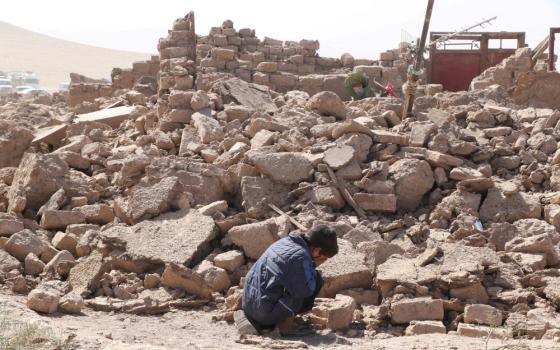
{"x": 412, "y": 77}
{"x": 551, "y": 49}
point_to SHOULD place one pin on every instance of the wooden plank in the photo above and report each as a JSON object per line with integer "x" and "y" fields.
{"x": 345, "y": 193}
{"x": 292, "y": 220}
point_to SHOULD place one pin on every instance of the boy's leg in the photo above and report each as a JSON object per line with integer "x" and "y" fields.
{"x": 243, "y": 324}
{"x": 309, "y": 301}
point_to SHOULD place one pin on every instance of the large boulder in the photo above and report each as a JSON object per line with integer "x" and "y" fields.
{"x": 84, "y": 278}
{"x": 14, "y": 141}
{"x": 254, "y": 238}
{"x": 43, "y": 300}
{"x": 335, "y": 313}
{"x": 252, "y": 96}
{"x": 345, "y": 270}
{"x": 284, "y": 167}
{"x": 40, "y": 176}
{"x": 510, "y": 206}
{"x": 258, "y": 192}
{"x": 413, "y": 178}
{"x": 147, "y": 201}
{"x": 22, "y": 243}
{"x": 417, "y": 309}
{"x": 181, "y": 237}
{"x": 483, "y": 314}
{"x": 327, "y": 103}
{"x": 8, "y": 262}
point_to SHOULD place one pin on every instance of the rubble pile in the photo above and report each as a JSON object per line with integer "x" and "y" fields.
{"x": 447, "y": 222}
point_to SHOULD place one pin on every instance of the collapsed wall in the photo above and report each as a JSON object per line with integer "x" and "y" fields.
{"x": 280, "y": 65}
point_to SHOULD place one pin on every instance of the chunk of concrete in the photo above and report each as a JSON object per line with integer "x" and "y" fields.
{"x": 327, "y": 103}
{"x": 181, "y": 237}
{"x": 386, "y": 203}
{"x": 483, "y": 314}
{"x": 14, "y": 141}
{"x": 335, "y": 314}
{"x": 425, "y": 327}
{"x": 71, "y": 303}
{"x": 413, "y": 178}
{"x": 146, "y": 201}
{"x": 229, "y": 261}
{"x": 178, "y": 276}
{"x": 43, "y": 300}
{"x": 8, "y": 262}
{"x": 254, "y": 238}
{"x": 40, "y": 176}
{"x": 97, "y": 213}
{"x": 22, "y": 243}
{"x": 59, "y": 219}
{"x": 345, "y": 270}
{"x": 479, "y": 331}
{"x": 33, "y": 265}
{"x": 284, "y": 167}
{"x": 339, "y": 156}
{"x": 513, "y": 206}
{"x": 111, "y": 116}
{"x": 84, "y": 278}
{"x": 215, "y": 277}
{"x": 8, "y": 227}
{"x": 417, "y": 309}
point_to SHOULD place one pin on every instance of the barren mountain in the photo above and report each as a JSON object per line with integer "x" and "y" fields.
{"x": 53, "y": 59}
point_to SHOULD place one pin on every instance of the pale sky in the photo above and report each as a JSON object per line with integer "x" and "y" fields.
{"x": 363, "y": 28}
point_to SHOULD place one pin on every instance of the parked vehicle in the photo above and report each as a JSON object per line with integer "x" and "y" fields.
{"x": 6, "y": 89}
{"x": 63, "y": 86}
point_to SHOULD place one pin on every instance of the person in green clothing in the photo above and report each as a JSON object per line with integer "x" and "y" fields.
{"x": 358, "y": 86}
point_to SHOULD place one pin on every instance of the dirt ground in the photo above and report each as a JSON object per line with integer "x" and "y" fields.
{"x": 194, "y": 329}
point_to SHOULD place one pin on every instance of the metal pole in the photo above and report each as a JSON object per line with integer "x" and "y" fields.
{"x": 412, "y": 76}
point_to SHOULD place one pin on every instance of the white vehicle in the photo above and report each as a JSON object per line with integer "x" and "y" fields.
{"x": 34, "y": 92}
{"x": 6, "y": 89}
{"x": 24, "y": 78}
{"x": 21, "y": 89}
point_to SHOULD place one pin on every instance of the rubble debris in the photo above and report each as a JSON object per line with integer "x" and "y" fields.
{"x": 335, "y": 314}
{"x": 163, "y": 192}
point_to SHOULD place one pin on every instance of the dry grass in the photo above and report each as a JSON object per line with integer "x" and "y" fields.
{"x": 21, "y": 335}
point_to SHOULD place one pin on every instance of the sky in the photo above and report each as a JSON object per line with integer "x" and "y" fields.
{"x": 362, "y": 28}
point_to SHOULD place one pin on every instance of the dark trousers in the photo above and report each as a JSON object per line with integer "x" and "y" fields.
{"x": 309, "y": 301}
{"x": 307, "y": 305}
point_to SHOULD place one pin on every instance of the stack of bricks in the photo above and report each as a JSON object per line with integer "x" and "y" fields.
{"x": 274, "y": 63}
{"x": 177, "y": 72}
{"x": 390, "y": 68}
{"x": 127, "y": 78}
{"x": 121, "y": 79}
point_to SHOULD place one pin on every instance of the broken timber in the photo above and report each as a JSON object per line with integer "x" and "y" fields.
{"x": 347, "y": 196}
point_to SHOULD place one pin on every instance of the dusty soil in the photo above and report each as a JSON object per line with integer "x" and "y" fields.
{"x": 194, "y": 329}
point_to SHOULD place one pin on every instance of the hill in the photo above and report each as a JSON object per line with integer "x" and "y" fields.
{"x": 54, "y": 59}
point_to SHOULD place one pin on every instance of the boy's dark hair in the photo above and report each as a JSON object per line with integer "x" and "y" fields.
{"x": 324, "y": 237}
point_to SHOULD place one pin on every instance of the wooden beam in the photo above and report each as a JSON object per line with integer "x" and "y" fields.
{"x": 292, "y": 220}
{"x": 346, "y": 194}
{"x": 551, "y": 49}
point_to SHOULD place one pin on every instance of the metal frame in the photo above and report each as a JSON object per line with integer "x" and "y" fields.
{"x": 483, "y": 38}
{"x": 551, "y": 39}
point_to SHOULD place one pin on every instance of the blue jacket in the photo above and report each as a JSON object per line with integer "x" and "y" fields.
{"x": 278, "y": 282}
